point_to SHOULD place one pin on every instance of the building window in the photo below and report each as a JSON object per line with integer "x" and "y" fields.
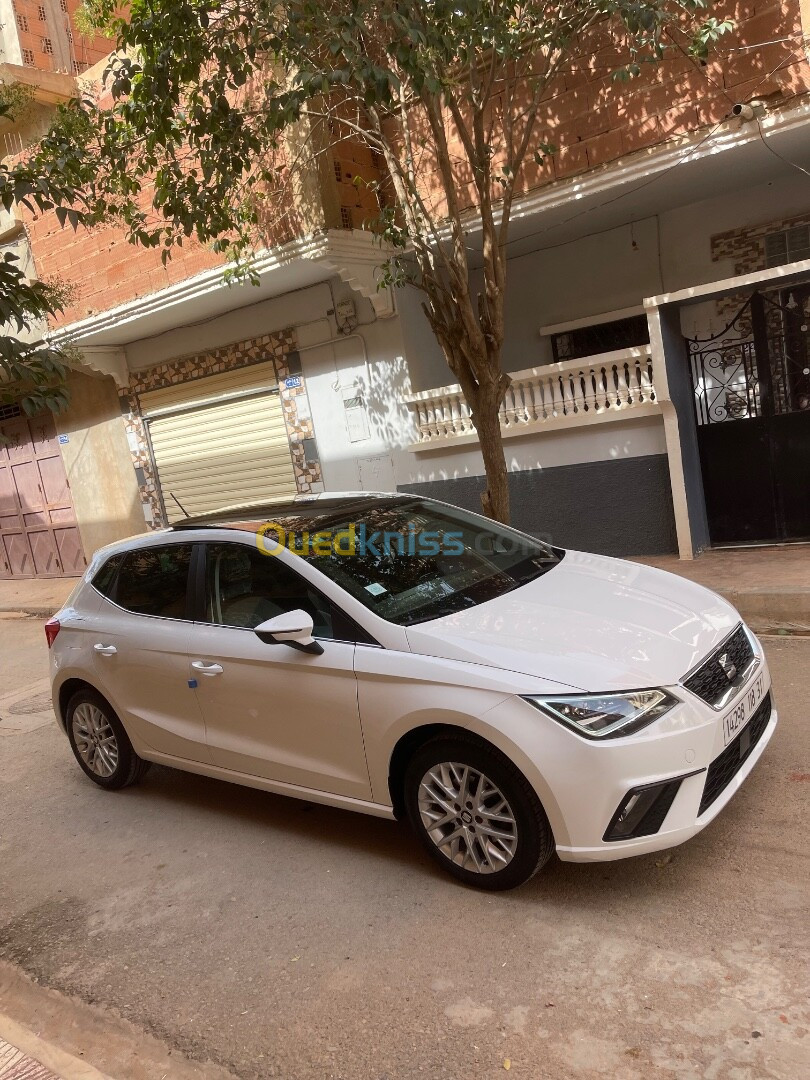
{"x": 69, "y": 34}
{"x": 10, "y": 412}
{"x": 28, "y": 57}
{"x": 47, "y": 46}
{"x": 22, "y": 23}
{"x": 600, "y": 338}
{"x": 79, "y": 67}
{"x": 43, "y": 14}
{"x": 345, "y": 217}
{"x": 63, "y": 5}
{"x": 787, "y": 246}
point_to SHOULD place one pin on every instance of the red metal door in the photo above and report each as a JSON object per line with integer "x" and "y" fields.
{"x": 38, "y": 533}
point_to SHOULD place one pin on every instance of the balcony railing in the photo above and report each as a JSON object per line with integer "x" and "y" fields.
{"x": 593, "y": 389}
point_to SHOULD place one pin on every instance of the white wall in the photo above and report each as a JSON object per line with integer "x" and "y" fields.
{"x": 545, "y": 450}
{"x": 686, "y": 234}
{"x": 609, "y": 271}
{"x": 19, "y": 246}
{"x": 299, "y": 308}
{"x": 369, "y": 364}
{"x": 10, "y": 51}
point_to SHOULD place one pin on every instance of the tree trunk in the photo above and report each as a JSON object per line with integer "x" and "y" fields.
{"x": 495, "y": 498}
{"x": 484, "y": 398}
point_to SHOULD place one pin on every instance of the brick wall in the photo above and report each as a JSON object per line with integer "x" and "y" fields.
{"x": 103, "y": 269}
{"x": 86, "y": 51}
{"x": 50, "y": 40}
{"x": 590, "y": 117}
{"x": 358, "y": 204}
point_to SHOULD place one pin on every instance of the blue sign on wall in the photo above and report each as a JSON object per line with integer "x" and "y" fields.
{"x": 292, "y": 382}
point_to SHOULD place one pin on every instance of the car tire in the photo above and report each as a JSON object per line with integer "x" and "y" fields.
{"x": 484, "y": 826}
{"x": 100, "y": 743}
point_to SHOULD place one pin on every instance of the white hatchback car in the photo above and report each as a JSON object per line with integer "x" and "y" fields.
{"x": 395, "y": 655}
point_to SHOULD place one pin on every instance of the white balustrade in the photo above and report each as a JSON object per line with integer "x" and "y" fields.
{"x": 572, "y": 392}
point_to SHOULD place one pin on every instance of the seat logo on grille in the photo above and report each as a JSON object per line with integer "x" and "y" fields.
{"x": 728, "y": 666}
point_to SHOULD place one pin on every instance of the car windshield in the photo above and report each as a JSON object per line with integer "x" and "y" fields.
{"x": 409, "y": 559}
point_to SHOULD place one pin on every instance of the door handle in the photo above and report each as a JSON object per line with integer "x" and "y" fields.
{"x": 205, "y": 668}
{"x": 105, "y": 650}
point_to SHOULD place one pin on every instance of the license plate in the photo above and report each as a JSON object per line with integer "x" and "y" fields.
{"x": 735, "y": 721}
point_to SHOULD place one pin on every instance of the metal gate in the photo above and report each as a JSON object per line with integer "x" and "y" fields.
{"x": 751, "y": 387}
{"x": 38, "y": 532}
{"x": 219, "y": 441}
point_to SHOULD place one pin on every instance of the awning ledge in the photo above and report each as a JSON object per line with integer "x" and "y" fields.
{"x": 353, "y": 255}
{"x": 105, "y": 360}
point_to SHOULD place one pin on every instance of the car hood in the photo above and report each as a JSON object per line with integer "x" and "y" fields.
{"x": 592, "y": 623}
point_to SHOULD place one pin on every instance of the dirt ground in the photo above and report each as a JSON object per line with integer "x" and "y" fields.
{"x": 271, "y": 938}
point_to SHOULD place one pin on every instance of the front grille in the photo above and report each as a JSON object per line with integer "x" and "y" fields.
{"x": 711, "y": 681}
{"x": 725, "y": 767}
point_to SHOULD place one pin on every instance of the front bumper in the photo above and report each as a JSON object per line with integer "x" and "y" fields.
{"x": 683, "y": 820}
{"x": 581, "y": 783}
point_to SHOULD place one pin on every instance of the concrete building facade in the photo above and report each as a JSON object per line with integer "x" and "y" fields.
{"x": 633, "y": 257}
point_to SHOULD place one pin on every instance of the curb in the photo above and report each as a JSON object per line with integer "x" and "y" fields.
{"x": 770, "y": 610}
{"x": 63, "y": 1065}
{"x": 34, "y": 612}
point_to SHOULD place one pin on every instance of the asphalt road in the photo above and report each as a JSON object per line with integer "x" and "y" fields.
{"x": 279, "y": 939}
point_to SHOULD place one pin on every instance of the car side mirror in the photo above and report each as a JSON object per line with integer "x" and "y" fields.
{"x": 293, "y": 628}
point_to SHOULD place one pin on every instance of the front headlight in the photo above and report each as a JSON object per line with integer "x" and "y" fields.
{"x": 606, "y": 716}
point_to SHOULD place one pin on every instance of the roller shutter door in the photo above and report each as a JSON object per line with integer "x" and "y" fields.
{"x": 219, "y": 441}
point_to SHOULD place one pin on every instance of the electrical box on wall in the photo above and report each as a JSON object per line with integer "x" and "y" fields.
{"x": 356, "y": 415}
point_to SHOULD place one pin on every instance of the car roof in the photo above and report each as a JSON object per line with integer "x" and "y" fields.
{"x": 249, "y": 517}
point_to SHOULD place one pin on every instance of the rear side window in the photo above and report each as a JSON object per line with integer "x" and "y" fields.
{"x": 104, "y": 580}
{"x": 154, "y": 581}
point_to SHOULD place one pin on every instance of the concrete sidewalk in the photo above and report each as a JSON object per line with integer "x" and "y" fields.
{"x": 770, "y": 586}
{"x": 25, "y": 1056}
{"x": 36, "y": 596}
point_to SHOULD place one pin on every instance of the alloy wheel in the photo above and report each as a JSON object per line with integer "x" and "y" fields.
{"x": 95, "y": 739}
{"x": 467, "y": 817}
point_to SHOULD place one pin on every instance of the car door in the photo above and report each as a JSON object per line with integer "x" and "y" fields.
{"x": 271, "y": 710}
{"x": 140, "y": 649}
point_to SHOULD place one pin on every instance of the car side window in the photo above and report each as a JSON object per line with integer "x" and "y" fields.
{"x": 245, "y": 587}
{"x": 104, "y": 579}
{"x": 154, "y": 581}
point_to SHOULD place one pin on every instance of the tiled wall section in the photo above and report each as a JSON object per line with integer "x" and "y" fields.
{"x": 746, "y": 249}
{"x": 280, "y": 348}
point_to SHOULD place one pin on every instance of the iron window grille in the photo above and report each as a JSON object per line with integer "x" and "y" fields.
{"x": 600, "y": 338}
{"x": 787, "y": 246}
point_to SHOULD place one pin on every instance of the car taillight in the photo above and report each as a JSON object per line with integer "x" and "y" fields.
{"x": 52, "y": 628}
